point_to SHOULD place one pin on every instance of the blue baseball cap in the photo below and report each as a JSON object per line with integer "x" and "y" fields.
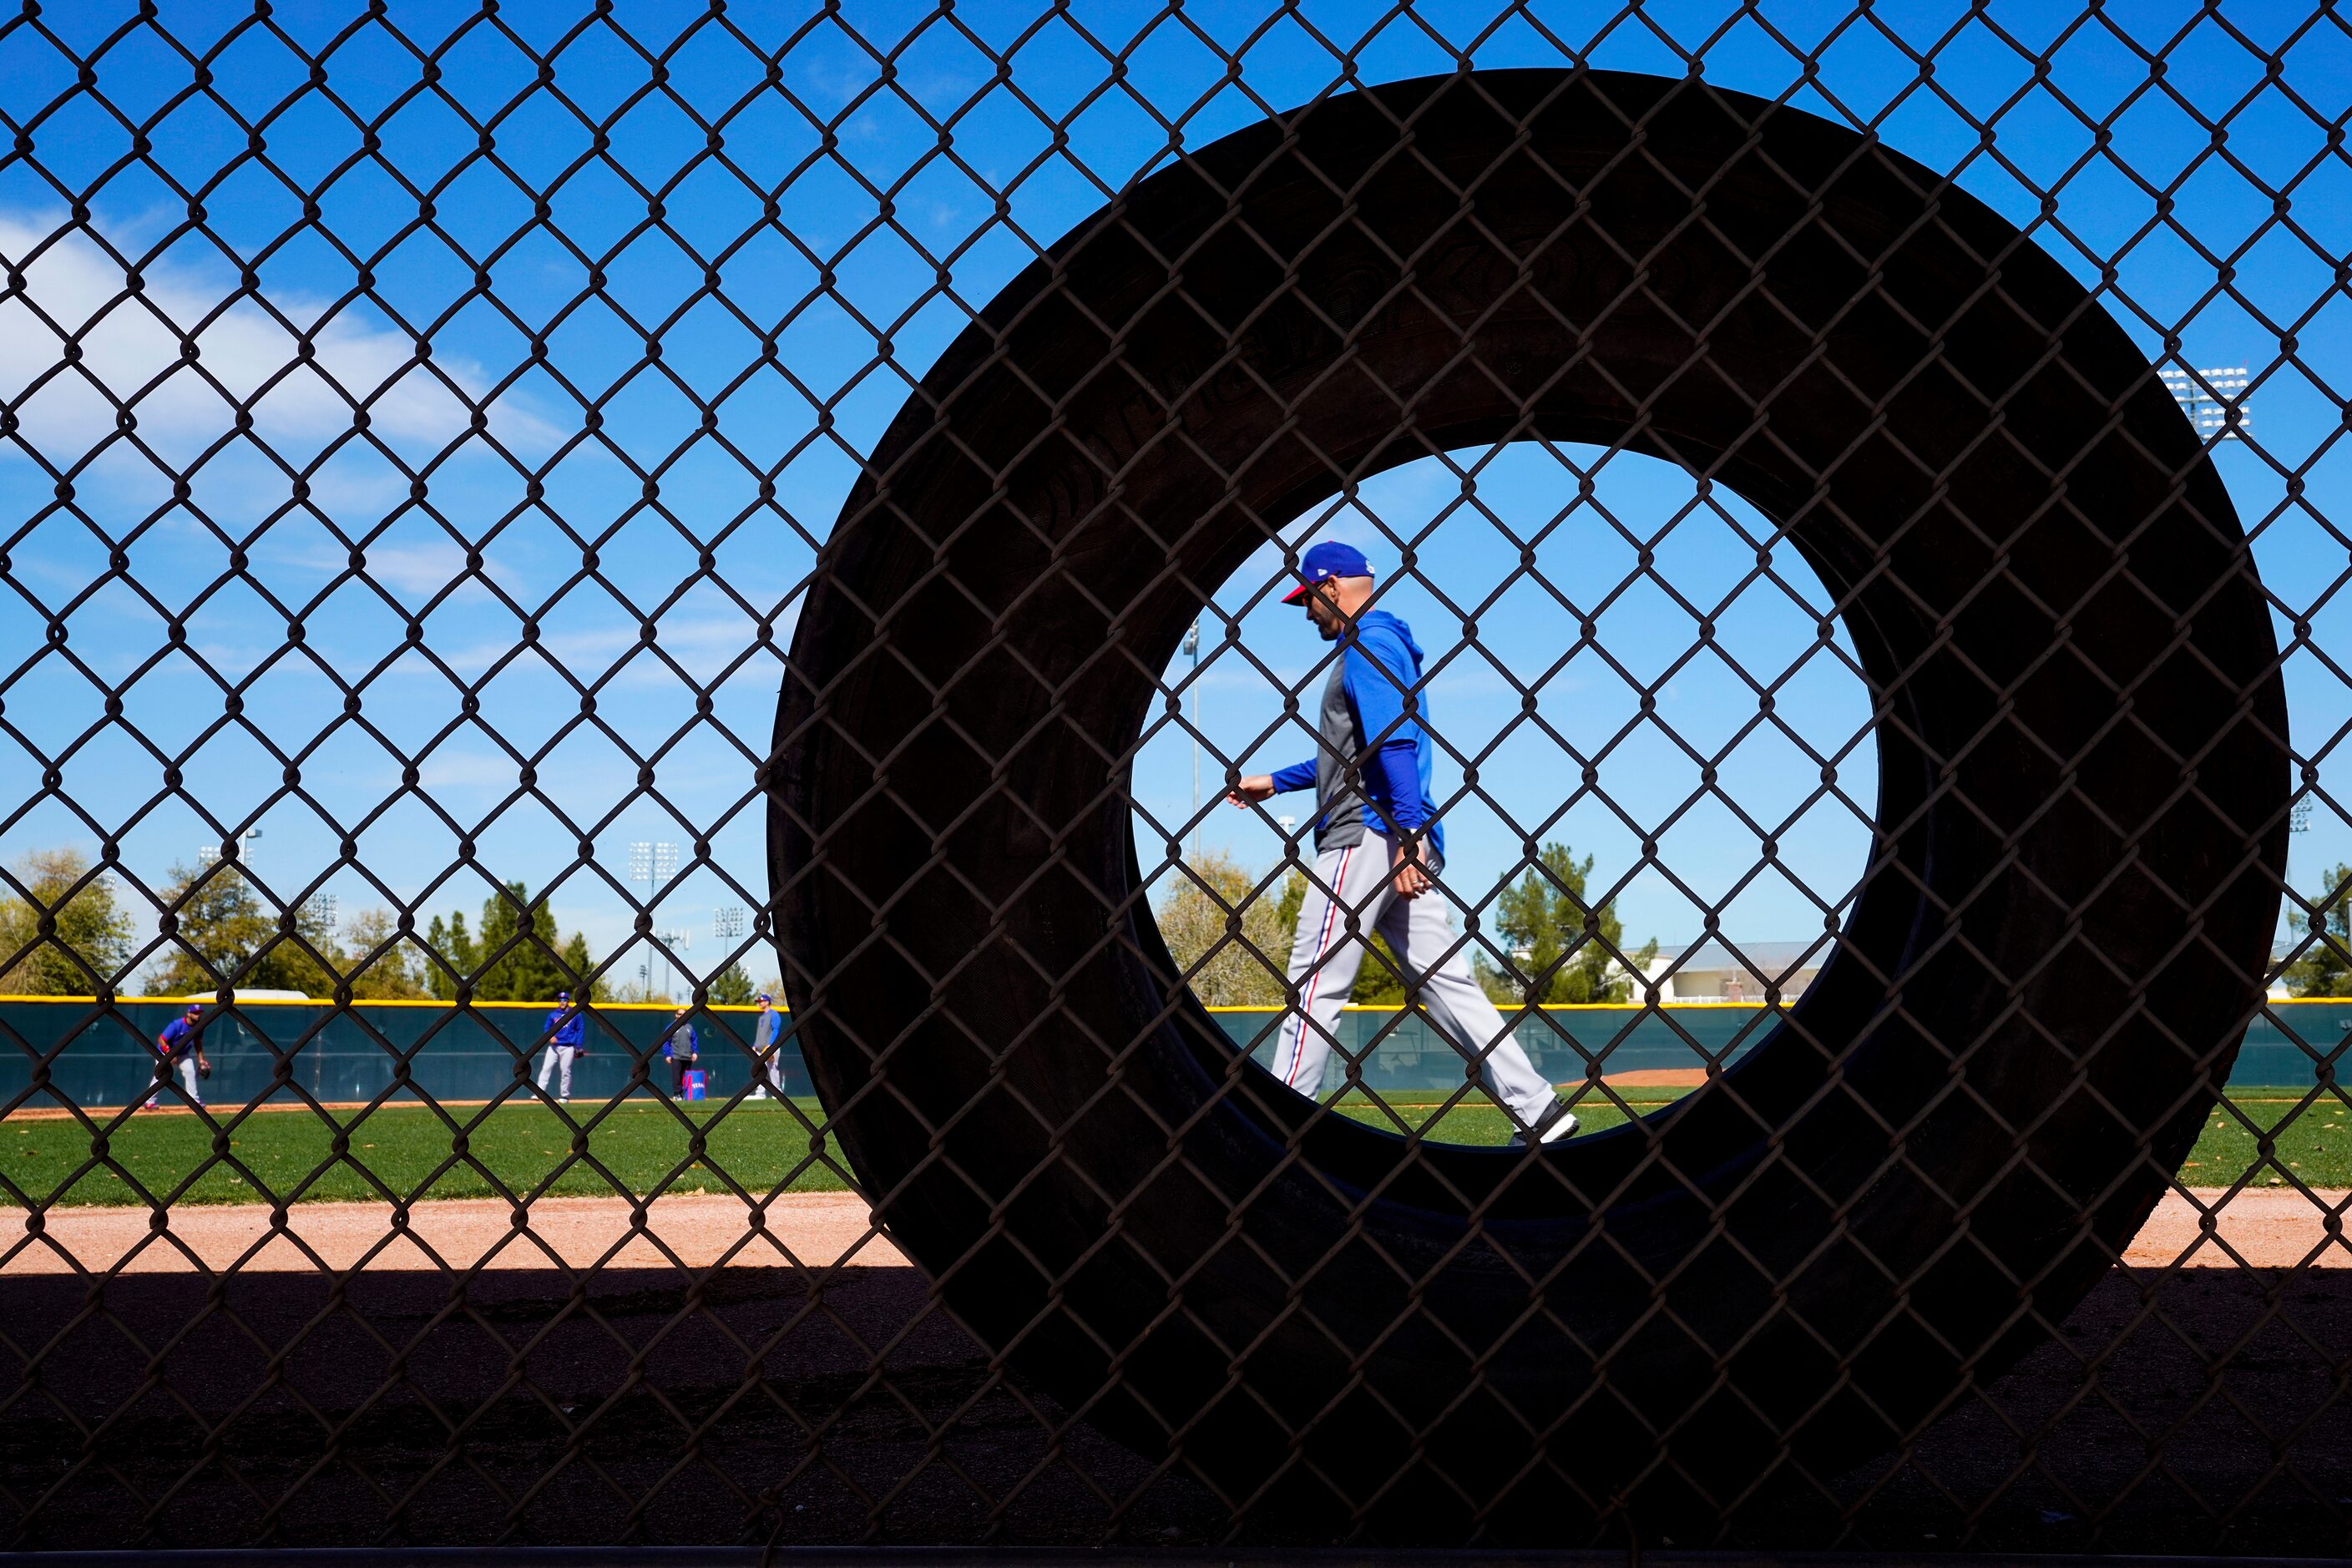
{"x": 1333, "y": 558}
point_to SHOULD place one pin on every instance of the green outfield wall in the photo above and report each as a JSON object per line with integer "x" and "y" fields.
{"x": 53, "y": 1048}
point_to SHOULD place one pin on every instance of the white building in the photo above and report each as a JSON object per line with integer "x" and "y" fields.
{"x": 1712, "y": 971}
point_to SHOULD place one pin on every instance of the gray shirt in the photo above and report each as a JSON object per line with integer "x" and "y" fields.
{"x": 1339, "y": 804}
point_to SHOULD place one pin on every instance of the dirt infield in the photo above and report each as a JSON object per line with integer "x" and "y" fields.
{"x": 814, "y": 1229}
{"x": 2265, "y": 1228}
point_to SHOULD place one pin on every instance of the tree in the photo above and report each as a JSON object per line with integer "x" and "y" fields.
{"x": 225, "y": 934}
{"x": 1232, "y": 932}
{"x": 515, "y": 954}
{"x": 579, "y": 964}
{"x": 1562, "y": 948}
{"x": 520, "y": 946}
{"x": 731, "y": 987}
{"x": 395, "y": 974}
{"x": 2323, "y": 969}
{"x": 88, "y": 939}
{"x": 452, "y": 955}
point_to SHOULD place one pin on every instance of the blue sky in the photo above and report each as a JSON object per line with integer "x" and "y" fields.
{"x": 471, "y": 526}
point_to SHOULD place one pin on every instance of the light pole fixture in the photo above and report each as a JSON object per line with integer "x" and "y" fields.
{"x": 653, "y": 862}
{"x": 2215, "y": 400}
{"x": 1192, "y": 649}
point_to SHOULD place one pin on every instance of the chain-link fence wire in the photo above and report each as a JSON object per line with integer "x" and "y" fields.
{"x": 425, "y": 435}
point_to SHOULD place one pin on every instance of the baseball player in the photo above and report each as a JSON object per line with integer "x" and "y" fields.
{"x": 683, "y": 1049}
{"x": 1376, "y": 846}
{"x": 181, "y": 1044}
{"x": 764, "y": 1048}
{"x": 564, "y": 1029}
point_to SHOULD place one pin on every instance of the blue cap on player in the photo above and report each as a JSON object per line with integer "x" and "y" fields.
{"x": 1333, "y": 558}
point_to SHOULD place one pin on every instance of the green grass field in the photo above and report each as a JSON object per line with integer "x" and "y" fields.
{"x": 644, "y": 1144}
{"x": 2316, "y": 1145}
{"x": 529, "y": 1148}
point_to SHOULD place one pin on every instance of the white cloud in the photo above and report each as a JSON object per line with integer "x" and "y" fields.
{"x": 702, "y": 643}
{"x": 447, "y": 772}
{"x": 131, "y": 346}
{"x": 420, "y": 569}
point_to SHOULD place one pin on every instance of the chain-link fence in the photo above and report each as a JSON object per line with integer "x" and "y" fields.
{"x": 1096, "y": 776}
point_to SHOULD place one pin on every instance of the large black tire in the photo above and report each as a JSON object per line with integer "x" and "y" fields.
{"x": 2081, "y": 825}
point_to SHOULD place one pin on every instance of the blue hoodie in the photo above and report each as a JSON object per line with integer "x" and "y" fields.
{"x": 1365, "y": 708}
{"x": 563, "y": 1028}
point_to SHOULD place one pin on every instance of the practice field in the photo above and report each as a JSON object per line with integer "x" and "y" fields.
{"x": 636, "y": 1147}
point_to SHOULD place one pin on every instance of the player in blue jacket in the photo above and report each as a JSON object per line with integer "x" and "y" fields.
{"x": 565, "y": 1030}
{"x": 181, "y": 1044}
{"x": 1377, "y": 843}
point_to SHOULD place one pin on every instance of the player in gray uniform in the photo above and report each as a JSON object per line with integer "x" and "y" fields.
{"x": 764, "y": 1048}
{"x": 1376, "y": 844}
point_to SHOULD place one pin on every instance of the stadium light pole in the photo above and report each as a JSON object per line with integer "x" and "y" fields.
{"x": 654, "y": 863}
{"x": 2298, "y": 822}
{"x": 2216, "y": 400}
{"x": 727, "y": 927}
{"x": 209, "y": 854}
{"x": 1192, "y": 647}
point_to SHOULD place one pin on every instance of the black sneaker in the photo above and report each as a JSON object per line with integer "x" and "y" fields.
{"x": 1555, "y": 1125}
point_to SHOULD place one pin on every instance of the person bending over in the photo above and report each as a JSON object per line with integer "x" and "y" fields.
{"x": 1377, "y": 844}
{"x": 181, "y": 1047}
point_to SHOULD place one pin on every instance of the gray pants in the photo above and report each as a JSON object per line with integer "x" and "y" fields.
{"x": 558, "y": 1061}
{"x": 186, "y": 1068}
{"x": 1329, "y": 949}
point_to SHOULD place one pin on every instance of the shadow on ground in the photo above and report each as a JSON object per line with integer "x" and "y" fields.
{"x": 173, "y": 1411}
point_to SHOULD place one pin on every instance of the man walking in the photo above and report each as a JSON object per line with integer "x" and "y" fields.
{"x": 1376, "y": 846}
{"x": 181, "y": 1044}
{"x": 764, "y": 1034}
{"x": 564, "y": 1029}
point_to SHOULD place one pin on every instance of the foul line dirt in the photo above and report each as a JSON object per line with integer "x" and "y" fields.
{"x": 813, "y": 1229}
{"x": 2261, "y": 1227}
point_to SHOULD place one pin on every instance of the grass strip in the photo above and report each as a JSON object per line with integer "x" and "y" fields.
{"x": 527, "y": 1148}
{"x": 2309, "y": 1133}
{"x": 644, "y": 1144}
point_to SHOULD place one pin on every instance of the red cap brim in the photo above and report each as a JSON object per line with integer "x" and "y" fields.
{"x": 1296, "y": 594}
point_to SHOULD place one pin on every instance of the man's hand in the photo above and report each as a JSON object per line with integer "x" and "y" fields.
{"x": 1411, "y": 882}
{"x": 1249, "y": 791}
{"x": 204, "y": 1063}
